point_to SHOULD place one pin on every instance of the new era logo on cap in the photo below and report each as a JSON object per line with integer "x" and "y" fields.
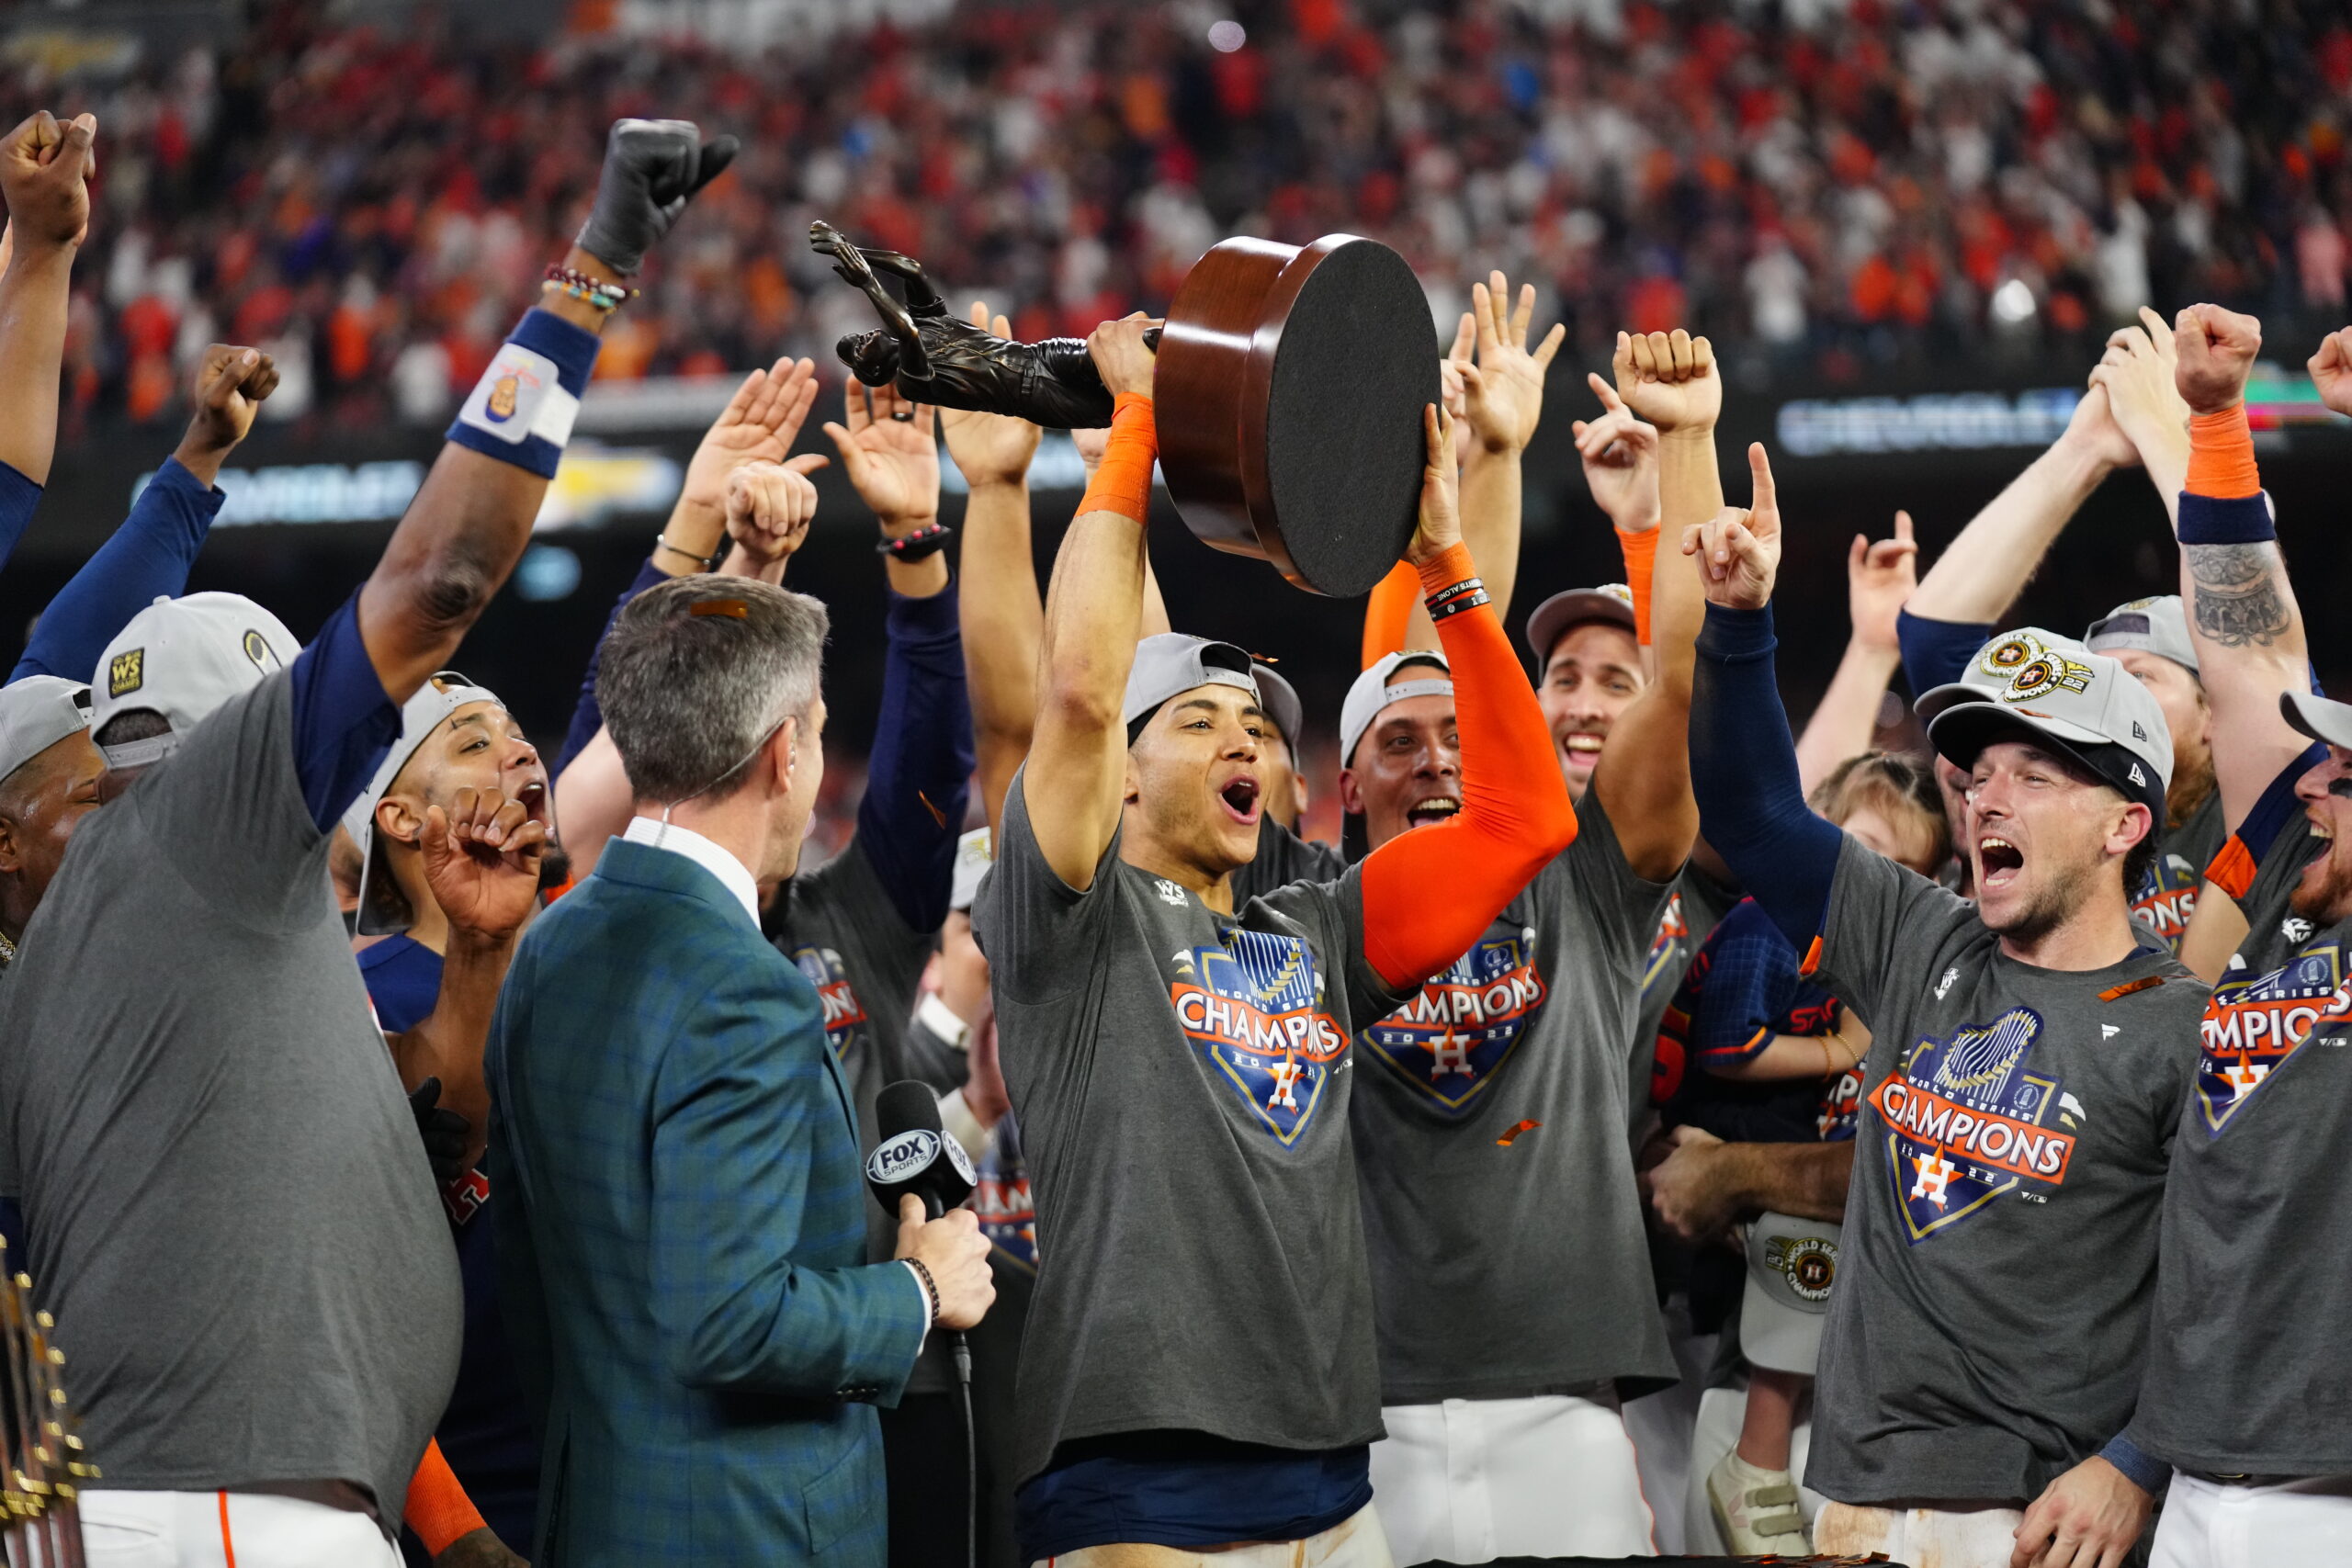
{"x": 258, "y": 649}
{"x": 126, "y": 672}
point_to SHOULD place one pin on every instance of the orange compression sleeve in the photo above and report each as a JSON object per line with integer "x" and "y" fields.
{"x": 2220, "y": 456}
{"x": 1640, "y": 551}
{"x": 438, "y": 1509}
{"x": 1389, "y": 612}
{"x": 1123, "y": 481}
{"x": 1429, "y": 894}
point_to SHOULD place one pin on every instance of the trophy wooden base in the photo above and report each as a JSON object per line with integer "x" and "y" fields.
{"x": 1289, "y": 393}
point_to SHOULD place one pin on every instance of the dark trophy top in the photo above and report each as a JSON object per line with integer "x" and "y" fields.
{"x": 936, "y": 359}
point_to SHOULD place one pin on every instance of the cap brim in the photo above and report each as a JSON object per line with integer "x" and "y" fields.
{"x": 1960, "y": 733}
{"x": 1557, "y": 614}
{"x": 1937, "y": 700}
{"x": 2318, "y": 717}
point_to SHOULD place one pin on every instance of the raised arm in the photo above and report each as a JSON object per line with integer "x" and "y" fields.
{"x": 149, "y": 557}
{"x": 1093, "y": 617}
{"x": 1983, "y": 571}
{"x": 1743, "y": 764}
{"x": 1644, "y": 770}
{"x": 759, "y": 425}
{"x": 1502, "y": 403}
{"x": 1515, "y": 813}
{"x": 472, "y": 516}
{"x": 2136, "y": 372}
{"x": 2242, "y": 611}
{"x": 45, "y": 167}
{"x": 1879, "y": 579}
{"x": 1003, "y": 615}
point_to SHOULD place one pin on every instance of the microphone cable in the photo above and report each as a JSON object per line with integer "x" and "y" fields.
{"x": 972, "y": 1453}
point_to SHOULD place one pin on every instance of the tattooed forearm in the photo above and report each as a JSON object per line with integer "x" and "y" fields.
{"x": 2240, "y": 597}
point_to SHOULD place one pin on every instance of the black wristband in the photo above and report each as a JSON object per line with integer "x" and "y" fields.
{"x": 1467, "y": 595}
{"x": 709, "y": 563}
{"x": 923, "y": 543}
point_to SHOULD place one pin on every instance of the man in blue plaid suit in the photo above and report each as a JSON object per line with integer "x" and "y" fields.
{"x": 684, "y": 1275}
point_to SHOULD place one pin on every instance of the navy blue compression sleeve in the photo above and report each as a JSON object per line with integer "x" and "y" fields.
{"x": 18, "y": 496}
{"x": 586, "y": 717}
{"x": 918, "y": 774}
{"x": 343, "y": 721}
{"x": 1744, "y": 772}
{"x": 1936, "y": 653}
{"x": 147, "y": 558}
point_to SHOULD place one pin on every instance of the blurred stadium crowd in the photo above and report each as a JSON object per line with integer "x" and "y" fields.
{"x": 1847, "y": 186}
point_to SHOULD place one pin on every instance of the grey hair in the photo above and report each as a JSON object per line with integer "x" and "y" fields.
{"x": 690, "y": 698}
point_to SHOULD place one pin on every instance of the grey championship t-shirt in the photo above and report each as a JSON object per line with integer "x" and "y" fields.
{"x": 1991, "y": 1321}
{"x": 1508, "y": 1257}
{"x": 2165, "y": 899}
{"x": 1182, "y": 1080}
{"x": 2249, "y": 1371}
{"x": 232, "y": 1216}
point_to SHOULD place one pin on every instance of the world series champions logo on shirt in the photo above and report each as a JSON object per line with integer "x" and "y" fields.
{"x": 1254, "y": 1009}
{"x": 2253, "y": 1024}
{"x": 843, "y": 1013}
{"x": 1452, "y": 1038}
{"x": 2168, "y": 898}
{"x": 1968, "y": 1124}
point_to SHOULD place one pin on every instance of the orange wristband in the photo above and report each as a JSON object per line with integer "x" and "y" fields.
{"x": 438, "y": 1509}
{"x": 1640, "y": 551}
{"x": 2220, "y": 456}
{"x": 1389, "y": 612}
{"x": 1122, "y": 481}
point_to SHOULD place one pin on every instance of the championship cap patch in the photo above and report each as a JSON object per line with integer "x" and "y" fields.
{"x": 126, "y": 672}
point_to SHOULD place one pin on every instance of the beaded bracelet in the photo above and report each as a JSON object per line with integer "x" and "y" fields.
{"x": 920, "y": 544}
{"x": 930, "y": 1285}
{"x": 709, "y": 563}
{"x": 595, "y": 291}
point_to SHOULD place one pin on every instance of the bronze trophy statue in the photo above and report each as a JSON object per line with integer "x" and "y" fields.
{"x": 1289, "y": 393}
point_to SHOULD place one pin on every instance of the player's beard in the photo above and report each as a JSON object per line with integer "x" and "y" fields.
{"x": 555, "y": 865}
{"x": 2324, "y": 896}
{"x": 2052, "y": 906}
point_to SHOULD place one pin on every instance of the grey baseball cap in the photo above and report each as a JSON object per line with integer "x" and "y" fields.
{"x": 2083, "y": 704}
{"x": 420, "y": 716}
{"x": 1990, "y": 667}
{"x": 1171, "y": 664}
{"x": 973, "y": 855}
{"x": 2157, "y": 625}
{"x": 1280, "y": 700}
{"x": 1612, "y": 602}
{"x": 1376, "y": 688}
{"x": 183, "y": 657}
{"x": 36, "y": 713}
{"x": 2314, "y": 716}
{"x": 1792, "y": 1268}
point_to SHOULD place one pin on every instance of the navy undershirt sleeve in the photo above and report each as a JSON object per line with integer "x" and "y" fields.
{"x": 586, "y": 717}
{"x": 1744, "y": 772}
{"x": 148, "y": 559}
{"x": 18, "y": 496}
{"x": 919, "y": 777}
{"x": 1936, "y": 653}
{"x": 343, "y": 723}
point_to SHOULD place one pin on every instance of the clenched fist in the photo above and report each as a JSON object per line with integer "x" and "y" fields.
{"x": 2214, "y": 353}
{"x": 45, "y": 168}
{"x": 230, "y": 383}
{"x": 952, "y": 1249}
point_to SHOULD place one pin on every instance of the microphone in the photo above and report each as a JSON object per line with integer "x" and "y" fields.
{"x": 916, "y": 1154}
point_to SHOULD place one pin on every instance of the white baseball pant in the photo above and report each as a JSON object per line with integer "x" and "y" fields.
{"x": 2290, "y": 1524}
{"x": 1472, "y": 1480}
{"x": 122, "y": 1529}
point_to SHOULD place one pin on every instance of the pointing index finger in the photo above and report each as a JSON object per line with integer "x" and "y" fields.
{"x": 1760, "y": 468}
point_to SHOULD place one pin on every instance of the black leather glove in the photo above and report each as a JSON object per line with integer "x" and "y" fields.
{"x": 652, "y": 168}
{"x": 444, "y": 1132}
